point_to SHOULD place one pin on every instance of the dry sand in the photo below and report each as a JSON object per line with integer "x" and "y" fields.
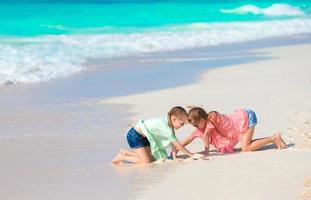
{"x": 279, "y": 90}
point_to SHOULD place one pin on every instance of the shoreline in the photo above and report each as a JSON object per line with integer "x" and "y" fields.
{"x": 110, "y": 70}
{"x": 78, "y": 125}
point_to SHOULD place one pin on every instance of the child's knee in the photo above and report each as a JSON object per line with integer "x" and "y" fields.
{"x": 245, "y": 149}
{"x": 146, "y": 161}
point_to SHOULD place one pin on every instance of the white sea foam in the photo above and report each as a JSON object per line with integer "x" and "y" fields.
{"x": 26, "y": 60}
{"x": 273, "y": 10}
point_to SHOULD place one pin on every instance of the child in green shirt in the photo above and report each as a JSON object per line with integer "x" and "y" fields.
{"x": 149, "y": 139}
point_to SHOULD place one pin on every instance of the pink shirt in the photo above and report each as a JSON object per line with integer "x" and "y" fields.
{"x": 226, "y": 130}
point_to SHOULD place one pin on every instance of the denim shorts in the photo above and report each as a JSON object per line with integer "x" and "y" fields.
{"x": 252, "y": 119}
{"x": 136, "y": 140}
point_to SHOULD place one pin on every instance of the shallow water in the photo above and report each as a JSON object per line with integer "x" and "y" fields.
{"x": 45, "y": 40}
{"x": 62, "y": 133}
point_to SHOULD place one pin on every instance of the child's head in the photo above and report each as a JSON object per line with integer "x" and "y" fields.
{"x": 197, "y": 117}
{"x": 177, "y": 117}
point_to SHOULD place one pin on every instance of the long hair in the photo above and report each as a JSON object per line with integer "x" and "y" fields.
{"x": 195, "y": 114}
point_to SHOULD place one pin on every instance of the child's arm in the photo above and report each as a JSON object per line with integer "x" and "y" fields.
{"x": 206, "y": 144}
{"x": 179, "y": 147}
{"x": 206, "y": 139}
{"x": 174, "y": 152}
{"x": 186, "y": 141}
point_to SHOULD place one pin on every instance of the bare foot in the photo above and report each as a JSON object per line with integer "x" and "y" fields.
{"x": 123, "y": 151}
{"x": 283, "y": 143}
{"x": 117, "y": 160}
{"x": 126, "y": 152}
{"x": 279, "y": 142}
{"x": 276, "y": 140}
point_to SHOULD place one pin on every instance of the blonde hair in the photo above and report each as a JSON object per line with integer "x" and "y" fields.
{"x": 178, "y": 112}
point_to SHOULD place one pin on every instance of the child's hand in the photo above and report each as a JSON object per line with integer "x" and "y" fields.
{"x": 204, "y": 152}
{"x": 197, "y": 156}
{"x": 178, "y": 159}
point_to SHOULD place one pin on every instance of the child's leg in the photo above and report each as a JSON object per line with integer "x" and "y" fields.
{"x": 121, "y": 157}
{"x": 251, "y": 145}
{"x": 128, "y": 152}
{"x": 138, "y": 156}
{"x": 135, "y": 153}
{"x": 144, "y": 154}
{"x": 125, "y": 154}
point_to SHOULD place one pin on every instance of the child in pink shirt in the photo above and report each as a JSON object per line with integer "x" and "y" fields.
{"x": 225, "y": 131}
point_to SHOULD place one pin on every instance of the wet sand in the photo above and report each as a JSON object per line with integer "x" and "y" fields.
{"x": 57, "y": 138}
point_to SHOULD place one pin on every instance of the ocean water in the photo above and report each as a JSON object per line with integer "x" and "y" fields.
{"x": 41, "y": 40}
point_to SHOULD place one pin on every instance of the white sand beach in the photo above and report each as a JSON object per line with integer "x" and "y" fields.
{"x": 75, "y": 75}
{"x": 279, "y": 90}
{"x": 57, "y": 138}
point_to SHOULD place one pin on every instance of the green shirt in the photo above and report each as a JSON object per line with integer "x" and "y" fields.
{"x": 159, "y": 134}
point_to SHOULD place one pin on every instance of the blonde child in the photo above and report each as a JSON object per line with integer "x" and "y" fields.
{"x": 148, "y": 139}
{"x": 225, "y": 131}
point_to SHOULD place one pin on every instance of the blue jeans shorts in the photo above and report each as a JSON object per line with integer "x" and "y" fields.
{"x": 252, "y": 118}
{"x": 136, "y": 140}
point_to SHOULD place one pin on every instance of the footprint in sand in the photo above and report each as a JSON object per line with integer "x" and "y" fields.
{"x": 300, "y": 123}
{"x": 306, "y": 193}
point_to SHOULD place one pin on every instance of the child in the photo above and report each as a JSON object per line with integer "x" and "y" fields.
{"x": 225, "y": 131}
{"x": 149, "y": 139}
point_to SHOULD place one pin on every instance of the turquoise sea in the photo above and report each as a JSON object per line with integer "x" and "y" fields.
{"x": 42, "y": 40}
